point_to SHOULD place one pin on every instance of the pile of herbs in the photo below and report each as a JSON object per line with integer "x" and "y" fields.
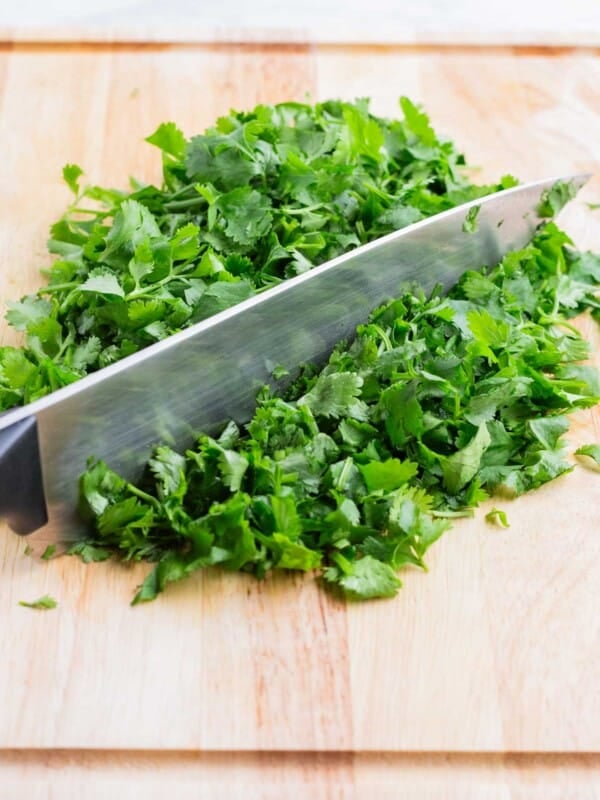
{"x": 260, "y": 197}
{"x": 357, "y": 469}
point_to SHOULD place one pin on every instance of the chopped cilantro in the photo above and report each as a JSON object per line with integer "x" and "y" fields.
{"x": 591, "y": 451}
{"x": 279, "y": 372}
{"x": 470, "y": 224}
{"x": 49, "y": 552}
{"x": 355, "y": 469}
{"x": 555, "y": 198}
{"x": 43, "y": 603}
{"x": 497, "y": 517}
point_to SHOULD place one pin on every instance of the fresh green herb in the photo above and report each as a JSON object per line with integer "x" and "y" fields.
{"x": 28, "y": 550}
{"x": 593, "y": 206}
{"x": 556, "y": 198}
{"x": 279, "y": 372}
{"x": 357, "y": 469}
{"x": 42, "y": 603}
{"x": 49, "y": 552}
{"x": 260, "y": 197}
{"x": 88, "y": 552}
{"x": 498, "y": 517}
{"x": 470, "y": 224}
{"x": 591, "y": 451}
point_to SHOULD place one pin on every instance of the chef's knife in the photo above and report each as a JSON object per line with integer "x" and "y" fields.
{"x": 209, "y": 373}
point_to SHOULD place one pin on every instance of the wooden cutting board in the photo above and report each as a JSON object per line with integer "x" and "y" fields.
{"x": 495, "y": 651}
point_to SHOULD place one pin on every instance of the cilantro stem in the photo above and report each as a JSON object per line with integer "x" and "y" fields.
{"x": 68, "y": 341}
{"x": 301, "y": 210}
{"x": 561, "y": 323}
{"x": 462, "y": 512}
{"x": 57, "y": 287}
{"x": 189, "y": 189}
{"x": 185, "y": 205}
{"x": 95, "y": 211}
{"x": 342, "y": 563}
{"x": 383, "y": 336}
{"x": 144, "y": 496}
{"x": 342, "y": 479}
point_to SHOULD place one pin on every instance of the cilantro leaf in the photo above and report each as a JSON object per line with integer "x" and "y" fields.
{"x": 133, "y": 225}
{"x": 102, "y": 282}
{"x": 247, "y": 215}
{"x": 590, "y": 450}
{"x": 294, "y": 555}
{"x": 335, "y": 395}
{"x": 497, "y": 517}
{"x": 470, "y": 224}
{"x": 367, "y": 579}
{"x": 42, "y": 603}
{"x": 555, "y": 198}
{"x": 29, "y": 310}
{"x": 220, "y": 296}
{"x": 387, "y": 475}
{"x": 49, "y": 552}
{"x": 417, "y": 122}
{"x": 89, "y": 552}
{"x": 168, "y": 138}
{"x": 170, "y": 568}
{"x": 462, "y": 466}
{"x": 71, "y": 174}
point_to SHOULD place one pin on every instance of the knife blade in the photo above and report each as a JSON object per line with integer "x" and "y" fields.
{"x": 203, "y": 376}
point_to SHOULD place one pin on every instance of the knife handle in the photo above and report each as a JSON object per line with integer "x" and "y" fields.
{"x": 22, "y": 500}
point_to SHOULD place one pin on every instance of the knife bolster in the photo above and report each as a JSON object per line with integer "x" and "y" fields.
{"x": 22, "y": 500}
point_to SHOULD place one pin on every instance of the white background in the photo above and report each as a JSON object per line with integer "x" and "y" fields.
{"x": 525, "y": 21}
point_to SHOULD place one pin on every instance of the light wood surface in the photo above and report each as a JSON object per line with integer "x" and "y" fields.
{"x": 98, "y": 775}
{"x": 495, "y": 650}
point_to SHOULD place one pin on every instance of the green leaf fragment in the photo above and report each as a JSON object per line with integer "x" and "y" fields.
{"x": 168, "y": 138}
{"x": 555, "y": 199}
{"x": 88, "y": 552}
{"x": 367, "y": 579}
{"x": 388, "y": 475}
{"x": 103, "y": 282}
{"x": 247, "y": 215}
{"x": 335, "y": 395}
{"x": 42, "y": 603}
{"x": 417, "y": 122}
{"x": 71, "y": 174}
{"x": 497, "y": 517}
{"x": 590, "y": 450}
{"x": 27, "y": 312}
{"x": 462, "y": 466}
{"x": 471, "y": 224}
{"x": 294, "y": 555}
{"x": 49, "y": 552}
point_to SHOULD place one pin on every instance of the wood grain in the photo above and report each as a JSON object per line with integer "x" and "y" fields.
{"x": 101, "y": 775}
{"x": 496, "y": 649}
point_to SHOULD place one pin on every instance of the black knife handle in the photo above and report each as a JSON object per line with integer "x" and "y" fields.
{"x": 22, "y": 500}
